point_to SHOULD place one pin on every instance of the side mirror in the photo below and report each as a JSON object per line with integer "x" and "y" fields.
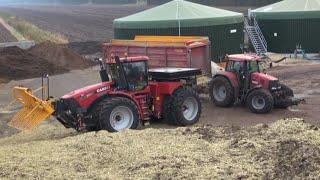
{"x": 99, "y": 60}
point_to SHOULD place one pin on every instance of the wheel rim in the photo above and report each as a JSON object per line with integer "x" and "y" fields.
{"x": 121, "y": 118}
{"x": 220, "y": 93}
{"x": 258, "y": 102}
{"x": 190, "y": 108}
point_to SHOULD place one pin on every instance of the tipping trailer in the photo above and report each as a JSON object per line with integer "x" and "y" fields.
{"x": 165, "y": 51}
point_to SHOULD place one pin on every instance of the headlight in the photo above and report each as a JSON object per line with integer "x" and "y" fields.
{"x": 276, "y": 88}
{"x": 274, "y": 85}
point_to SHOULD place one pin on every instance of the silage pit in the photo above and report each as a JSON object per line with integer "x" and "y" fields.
{"x": 285, "y": 148}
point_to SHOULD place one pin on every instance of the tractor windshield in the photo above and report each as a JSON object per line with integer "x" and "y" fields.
{"x": 253, "y": 66}
{"x": 135, "y": 72}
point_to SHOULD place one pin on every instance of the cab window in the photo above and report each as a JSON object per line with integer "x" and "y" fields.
{"x": 253, "y": 66}
{"x": 136, "y": 74}
{"x": 235, "y": 66}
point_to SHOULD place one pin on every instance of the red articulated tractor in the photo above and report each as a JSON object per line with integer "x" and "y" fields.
{"x": 128, "y": 95}
{"x": 243, "y": 83}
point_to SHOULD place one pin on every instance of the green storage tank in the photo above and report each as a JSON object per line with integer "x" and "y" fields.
{"x": 178, "y": 17}
{"x": 289, "y": 23}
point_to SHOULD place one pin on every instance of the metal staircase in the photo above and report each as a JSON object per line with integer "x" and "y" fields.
{"x": 255, "y": 36}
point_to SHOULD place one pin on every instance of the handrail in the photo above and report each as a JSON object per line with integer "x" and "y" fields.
{"x": 263, "y": 40}
{"x": 246, "y": 25}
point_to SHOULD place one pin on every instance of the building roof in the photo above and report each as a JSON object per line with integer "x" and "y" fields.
{"x": 176, "y": 12}
{"x": 289, "y": 9}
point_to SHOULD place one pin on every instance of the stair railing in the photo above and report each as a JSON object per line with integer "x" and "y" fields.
{"x": 263, "y": 40}
{"x": 251, "y": 37}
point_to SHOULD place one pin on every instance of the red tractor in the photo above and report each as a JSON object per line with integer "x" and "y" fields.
{"x": 130, "y": 93}
{"x": 243, "y": 83}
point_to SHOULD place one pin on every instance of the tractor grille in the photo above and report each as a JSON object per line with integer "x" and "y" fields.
{"x": 274, "y": 86}
{"x": 66, "y": 111}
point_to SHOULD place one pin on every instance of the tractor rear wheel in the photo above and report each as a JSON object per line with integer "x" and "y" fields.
{"x": 221, "y": 92}
{"x": 118, "y": 114}
{"x": 260, "y": 101}
{"x": 184, "y": 108}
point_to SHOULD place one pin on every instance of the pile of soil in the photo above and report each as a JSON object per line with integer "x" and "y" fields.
{"x": 16, "y": 63}
{"x": 60, "y": 55}
{"x": 5, "y": 35}
{"x": 287, "y": 149}
{"x": 44, "y": 58}
{"x": 86, "y": 48}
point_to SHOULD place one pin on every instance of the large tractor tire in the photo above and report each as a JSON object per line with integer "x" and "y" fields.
{"x": 118, "y": 114}
{"x": 183, "y": 108}
{"x": 221, "y": 92}
{"x": 260, "y": 101}
{"x": 166, "y": 108}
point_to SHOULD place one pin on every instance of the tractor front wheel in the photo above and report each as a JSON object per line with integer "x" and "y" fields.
{"x": 260, "y": 101}
{"x": 119, "y": 114}
{"x": 185, "y": 107}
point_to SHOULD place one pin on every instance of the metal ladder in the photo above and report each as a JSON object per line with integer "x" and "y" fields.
{"x": 255, "y": 36}
{"x": 142, "y": 99}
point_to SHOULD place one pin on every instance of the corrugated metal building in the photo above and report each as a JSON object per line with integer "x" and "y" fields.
{"x": 178, "y": 17}
{"x": 289, "y": 23}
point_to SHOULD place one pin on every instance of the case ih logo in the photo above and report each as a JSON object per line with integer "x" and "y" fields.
{"x": 103, "y": 89}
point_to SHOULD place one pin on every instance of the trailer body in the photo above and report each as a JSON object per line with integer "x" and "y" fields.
{"x": 165, "y": 51}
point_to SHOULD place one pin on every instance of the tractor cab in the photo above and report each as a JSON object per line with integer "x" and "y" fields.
{"x": 130, "y": 73}
{"x": 242, "y": 64}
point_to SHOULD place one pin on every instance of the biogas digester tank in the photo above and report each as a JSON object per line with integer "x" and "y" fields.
{"x": 224, "y": 28}
{"x": 289, "y": 23}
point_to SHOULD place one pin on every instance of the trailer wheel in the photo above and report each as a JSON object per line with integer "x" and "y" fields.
{"x": 221, "y": 92}
{"x": 260, "y": 101}
{"x": 118, "y": 114}
{"x": 185, "y": 107}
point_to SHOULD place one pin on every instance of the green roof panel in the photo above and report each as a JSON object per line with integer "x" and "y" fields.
{"x": 289, "y": 9}
{"x": 176, "y": 12}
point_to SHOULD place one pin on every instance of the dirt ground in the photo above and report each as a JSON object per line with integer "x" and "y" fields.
{"x": 5, "y": 35}
{"x": 78, "y": 22}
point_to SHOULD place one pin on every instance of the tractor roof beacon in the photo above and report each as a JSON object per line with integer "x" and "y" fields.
{"x": 243, "y": 83}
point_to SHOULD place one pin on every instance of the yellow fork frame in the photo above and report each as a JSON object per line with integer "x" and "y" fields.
{"x": 34, "y": 110}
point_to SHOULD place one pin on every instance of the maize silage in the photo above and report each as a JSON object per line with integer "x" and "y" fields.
{"x": 286, "y": 149}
